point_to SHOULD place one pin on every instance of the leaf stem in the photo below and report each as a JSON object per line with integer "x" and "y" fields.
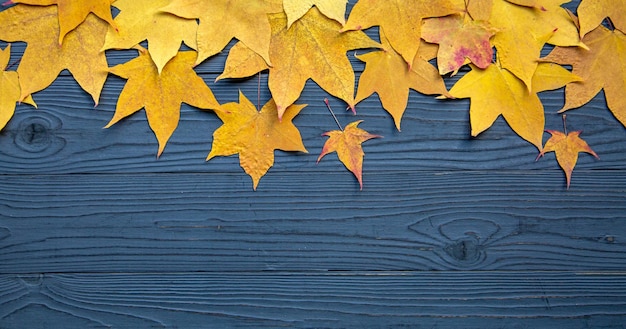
{"x": 564, "y": 124}
{"x": 258, "y": 94}
{"x": 333, "y": 113}
{"x": 467, "y": 2}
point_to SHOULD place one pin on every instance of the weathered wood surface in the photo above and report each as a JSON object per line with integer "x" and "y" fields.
{"x": 317, "y": 300}
{"x": 401, "y": 221}
{"x": 448, "y": 232}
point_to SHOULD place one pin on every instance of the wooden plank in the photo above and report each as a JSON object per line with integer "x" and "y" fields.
{"x": 315, "y": 300}
{"x": 402, "y": 220}
{"x": 65, "y": 135}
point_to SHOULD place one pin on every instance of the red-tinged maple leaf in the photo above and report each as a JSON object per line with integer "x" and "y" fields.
{"x": 401, "y": 19}
{"x": 603, "y": 66}
{"x": 387, "y": 74}
{"x": 347, "y": 144}
{"x": 161, "y": 94}
{"x": 566, "y": 148}
{"x": 459, "y": 38}
{"x": 254, "y": 135}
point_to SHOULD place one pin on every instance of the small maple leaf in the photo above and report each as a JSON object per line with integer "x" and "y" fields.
{"x": 494, "y": 91}
{"x": 387, "y": 74}
{"x": 223, "y": 20}
{"x": 401, "y": 19}
{"x": 9, "y": 89}
{"x": 73, "y": 12}
{"x": 141, "y": 20}
{"x": 459, "y": 38}
{"x": 591, "y": 13}
{"x": 44, "y": 59}
{"x": 333, "y": 9}
{"x": 347, "y": 144}
{"x": 313, "y": 48}
{"x": 566, "y": 148}
{"x": 254, "y": 135}
{"x": 603, "y": 66}
{"x": 161, "y": 94}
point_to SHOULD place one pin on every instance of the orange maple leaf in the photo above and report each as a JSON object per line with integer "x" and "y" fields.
{"x": 223, "y": 20}
{"x": 9, "y": 89}
{"x": 603, "y": 66}
{"x": 254, "y": 135}
{"x": 44, "y": 59}
{"x": 161, "y": 94}
{"x": 566, "y": 148}
{"x": 387, "y": 74}
{"x": 401, "y": 20}
{"x": 591, "y": 13}
{"x": 73, "y": 12}
{"x": 459, "y": 38}
{"x": 333, "y": 9}
{"x": 313, "y": 48}
{"x": 141, "y": 20}
{"x": 495, "y": 91}
{"x": 347, "y": 144}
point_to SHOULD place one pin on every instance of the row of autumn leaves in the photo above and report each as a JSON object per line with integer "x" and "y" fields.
{"x": 296, "y": 41}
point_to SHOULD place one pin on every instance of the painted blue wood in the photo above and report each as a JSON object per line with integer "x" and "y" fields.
{"x": 315, "y": 300}
{"x": 449, "y": 231}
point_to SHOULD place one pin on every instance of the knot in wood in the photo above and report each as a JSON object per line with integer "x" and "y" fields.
{"x": 466, "y": 250}
{"x": 34, "y": 134}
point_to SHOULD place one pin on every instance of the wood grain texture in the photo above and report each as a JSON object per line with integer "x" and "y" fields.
{"x": 449, "y": 232}
{"x": 402, "y": 220}
{"x": 317, "y": 300}
{"x": 65, "y": 135}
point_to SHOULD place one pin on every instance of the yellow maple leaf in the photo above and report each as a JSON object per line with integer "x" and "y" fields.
{"x": 223, "y": 20}
{"x": 73, "y": 12}
{"x": 459, "y": 39}
{"x": 387, "y": 74}
{"x": 494, "y": 91}
{"x": 347, "y": 144}
{"x": 538, "y": 4}
{"x": 523, "y": 31}
{"x": 44, "y": 59}
{"x": 401, "y": 20}
{"x": 254, "y": 135}
{"x": 313, "y": 48}
{"x": 242, "y": 62}
{"x": 161, "y": 94}
{"x": 333, "y": 9}
{"x": 566, "y": 148}
{"x": 591, "y": 13}
{"x": 9, "y": 89}
{"x": 141, "y": 20}
{"x": 603, "y": 66}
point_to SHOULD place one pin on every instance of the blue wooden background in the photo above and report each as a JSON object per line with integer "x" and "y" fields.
{"x": 448, "y": 232}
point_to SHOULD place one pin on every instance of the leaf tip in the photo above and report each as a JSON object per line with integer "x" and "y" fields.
{"x": 352, "y": 108}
